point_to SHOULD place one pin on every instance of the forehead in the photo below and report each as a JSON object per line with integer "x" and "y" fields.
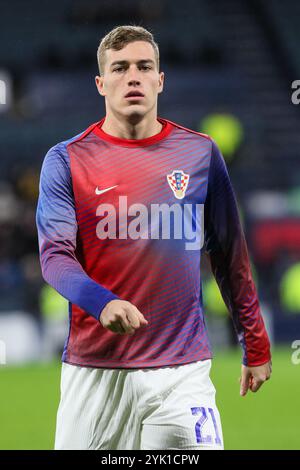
{"x": 134, "y": 51}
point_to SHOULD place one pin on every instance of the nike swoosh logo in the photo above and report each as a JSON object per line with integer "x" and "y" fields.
{"x": 101, "y": 191}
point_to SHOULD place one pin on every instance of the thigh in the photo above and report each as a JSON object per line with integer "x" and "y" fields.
{"x": 188, "y": 417}
{"x": 76, "y": 411}
{"x": 95, "y": 410}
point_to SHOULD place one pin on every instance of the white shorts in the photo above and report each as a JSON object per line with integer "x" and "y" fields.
{"x": 127, "y": 409}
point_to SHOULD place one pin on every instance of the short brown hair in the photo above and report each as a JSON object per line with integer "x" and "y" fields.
{"x": 119, "y": 37}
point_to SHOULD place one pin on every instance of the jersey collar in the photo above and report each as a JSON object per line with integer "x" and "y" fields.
{"x": 165, "y": 131}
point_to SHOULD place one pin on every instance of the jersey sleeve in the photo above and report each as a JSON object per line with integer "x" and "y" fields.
{"x": 226, "y": 246}
{"x": 57, "y": 233}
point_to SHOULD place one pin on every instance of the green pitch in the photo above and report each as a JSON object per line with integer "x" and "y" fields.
{"x": 268, "y": 419}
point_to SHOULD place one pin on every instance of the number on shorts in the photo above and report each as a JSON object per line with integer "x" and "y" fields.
{"x": 201, "y": 438}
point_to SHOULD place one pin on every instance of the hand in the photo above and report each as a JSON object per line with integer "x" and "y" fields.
{"x": 254, "y": 377}
{"x": 122, "y": 317}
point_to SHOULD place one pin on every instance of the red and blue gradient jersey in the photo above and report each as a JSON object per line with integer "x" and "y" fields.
{"x": 129, "y": 219}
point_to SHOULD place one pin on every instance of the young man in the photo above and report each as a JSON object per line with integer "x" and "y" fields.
{"x": 120, "y": 220}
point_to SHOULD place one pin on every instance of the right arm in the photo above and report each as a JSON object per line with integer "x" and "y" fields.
{"x": 57, "y": 232}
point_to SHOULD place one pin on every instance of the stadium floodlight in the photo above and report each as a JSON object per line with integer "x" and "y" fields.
{"x": 2, "y": 92}
{"x": 5, "y": 91}
{"x": 2, "y": 353}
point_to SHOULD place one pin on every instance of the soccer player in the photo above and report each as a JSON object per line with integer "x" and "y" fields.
{"x": 125, "y": 210}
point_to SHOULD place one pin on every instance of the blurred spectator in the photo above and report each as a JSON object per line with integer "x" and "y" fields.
{"x": 227, "y": 130}
{"x": 290, "y": 290}
{"x": 54, "y": 310}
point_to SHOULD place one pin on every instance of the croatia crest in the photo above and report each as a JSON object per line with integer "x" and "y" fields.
{"x": 178, "y": 182}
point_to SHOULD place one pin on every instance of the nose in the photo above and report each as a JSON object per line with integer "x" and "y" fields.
{"x": 133, "y": 79}
{"x": 134, "y": 82}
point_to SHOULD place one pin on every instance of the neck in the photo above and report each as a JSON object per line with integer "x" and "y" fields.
{"x": 131, "y": 128}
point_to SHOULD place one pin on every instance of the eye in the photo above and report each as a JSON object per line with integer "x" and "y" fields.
{"x": 145, "y": 67}
{"x": 119, "y": 69}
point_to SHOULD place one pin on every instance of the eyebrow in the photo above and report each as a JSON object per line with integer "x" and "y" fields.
{"x": 125, "y": 62}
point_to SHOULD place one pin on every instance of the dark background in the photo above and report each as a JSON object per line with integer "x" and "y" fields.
{"x": 230, "y": 58}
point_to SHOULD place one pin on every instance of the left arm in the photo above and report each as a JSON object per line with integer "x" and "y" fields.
{"x": 226, "y": 246}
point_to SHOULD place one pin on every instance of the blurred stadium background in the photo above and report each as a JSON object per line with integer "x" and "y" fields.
{"x": 229, "y": 70}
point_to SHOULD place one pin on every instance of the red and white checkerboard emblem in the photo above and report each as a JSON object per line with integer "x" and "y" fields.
{"x": 178, "y": 182}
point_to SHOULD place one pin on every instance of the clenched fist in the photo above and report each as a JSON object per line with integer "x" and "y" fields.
{"x": 122, "y": 317}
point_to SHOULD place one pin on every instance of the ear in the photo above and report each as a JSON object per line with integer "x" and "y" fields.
{"x": 100, "y": 84}
{"x": 161, "y": 81}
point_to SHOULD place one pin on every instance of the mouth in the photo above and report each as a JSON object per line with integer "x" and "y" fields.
{"x": 134, "y": 95}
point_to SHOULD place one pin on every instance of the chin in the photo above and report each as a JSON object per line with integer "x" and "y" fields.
{"x": 135, "y": 115}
